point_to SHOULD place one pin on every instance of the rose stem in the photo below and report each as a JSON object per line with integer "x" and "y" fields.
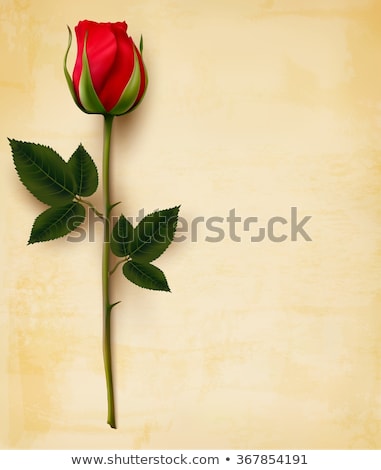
{"x": 107, "y": 306}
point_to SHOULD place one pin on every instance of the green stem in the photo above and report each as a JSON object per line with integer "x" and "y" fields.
{"x": 92, "y": 207}
{"x": 118, "y": 264}
{"x": 107, "y": 306}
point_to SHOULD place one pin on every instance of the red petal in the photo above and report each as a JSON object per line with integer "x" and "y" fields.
{"x": 101, "y": 50}
{"x": 121, "y": 70}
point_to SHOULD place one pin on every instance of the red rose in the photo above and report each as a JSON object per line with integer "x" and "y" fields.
{"x": 109, "y": 75}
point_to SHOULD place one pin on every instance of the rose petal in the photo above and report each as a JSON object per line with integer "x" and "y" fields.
{"x": 101, "y": 49}
{"x": 121, "y": 70}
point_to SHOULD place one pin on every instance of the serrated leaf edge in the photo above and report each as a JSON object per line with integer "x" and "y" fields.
{"x": 119, "y": 243}
{"x": 174, "y": 231}
{"x": 80, "y": 146}
{"x": 25, "y": 186}
{"x": 145, "y": 275}
{"x": 69, "y": 206}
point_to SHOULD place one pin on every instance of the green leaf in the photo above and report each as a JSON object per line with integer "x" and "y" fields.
{"x": 145, "y": 275}
{"x": 153, "y": 235}
{"x": 57, "y": 222}
{"x": 121, "y": 237}
{"x": 67, "y": 74}
{"x": 44, "y": 173}
{"x": 84, "y": 171}
{"x": 141, "y": 44}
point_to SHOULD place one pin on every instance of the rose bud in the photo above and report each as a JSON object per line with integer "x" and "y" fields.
{"x": 109, "y": 75}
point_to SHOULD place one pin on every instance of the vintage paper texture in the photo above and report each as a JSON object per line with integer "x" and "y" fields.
{"x": 254, "y": 105}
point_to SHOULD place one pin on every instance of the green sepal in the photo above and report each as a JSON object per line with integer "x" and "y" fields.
{"x": 43, "y": 172}
{"x": 67, "y": 74}
{"x": 141, "y": 44}
{"x": 145, "y": 275}
{"x": 153, "y": 235}
{"x": 87, "y": 94}
{"x": 144, "y": 91}
{"x": 84, "y": 171}
{"x": 121, "y": 237}
{"x": 57, "y": 222}
{"x": 130, "y": 92}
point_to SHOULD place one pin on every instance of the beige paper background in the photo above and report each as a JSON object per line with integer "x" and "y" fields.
{"x": 253, "y": 105}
